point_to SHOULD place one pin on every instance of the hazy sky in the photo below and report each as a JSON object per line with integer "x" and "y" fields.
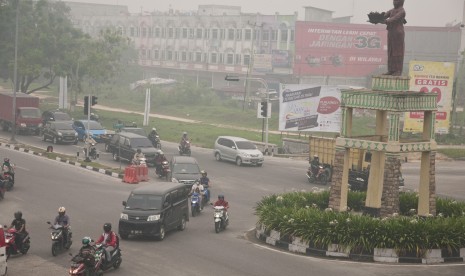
{"x": 419, "y": 12}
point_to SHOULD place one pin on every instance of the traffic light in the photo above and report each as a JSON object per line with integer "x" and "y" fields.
{"x": 264, "y": 109}
{"x": 94, "y": 100}
{"x": 86, "y": 105}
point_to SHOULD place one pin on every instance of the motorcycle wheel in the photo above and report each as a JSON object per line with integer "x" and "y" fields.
{"x": 9, "y": 185}
{"x": 8, "y": 253}
{"x": 55, "y": 249}
{"x": 193, "y": 211}
{"x": 217, "y": 226}
{"x": 311, "y": 179}
{"x": 324, "y": 179}
{"x": 118, "y": 263}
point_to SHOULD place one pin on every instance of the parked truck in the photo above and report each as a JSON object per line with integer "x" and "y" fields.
{"x": 28, "y": 116}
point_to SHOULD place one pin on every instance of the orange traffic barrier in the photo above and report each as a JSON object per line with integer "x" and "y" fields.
{"x": 143, "y": 173}
{"x": 130, "y": 175}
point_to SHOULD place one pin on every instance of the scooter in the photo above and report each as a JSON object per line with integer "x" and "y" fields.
{"x": 186, "y": 150}
{"x": 195, "y": 204}
{"x": 8, "y": 175}
{"x": 156, "y": 142}
{"x": 57, "y": 236}
{"x": 84, "y": 267}
{"x": 165, "y": 170}
{"x": 92, "y": 152}
{"x": 116, "y": 258}
{"x": 10, "y": 240}
{"x": 220, "y": 218}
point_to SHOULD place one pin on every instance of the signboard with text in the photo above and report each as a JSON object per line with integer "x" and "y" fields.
{"x": 431, "y": 77}
{"x": 334, "y": 49}
{"x": 306, "y": 107}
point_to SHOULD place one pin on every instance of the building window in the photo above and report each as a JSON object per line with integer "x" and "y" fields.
{"x": 214, "y": 58}
{"x": 248, "y": 34}
{"x": 156, "y": 54}
{"x": 198, "y": 57}
{"x": 238, "y": 59}
{"x": 247, "y": 60}
{"x": 157, "y": 32}
{"x": 230, "y": 34}
{"x": 266, "y": 35}
{"x": 184, "y": 56}
{"x": 214, "y": 33}
{"x": 283, "y": 35}
{"x": 144, "y": 32}
{"x": 230, "y": 59}
{"x": 170, "y": 33}
{"x": 199, "y": 33}
{"x": 191, "y": 32}
{"x": 184, "y": 32}
{"x": 274, "y": 35}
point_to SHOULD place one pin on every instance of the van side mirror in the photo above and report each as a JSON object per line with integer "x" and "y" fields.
{"x": 124, "y": 203}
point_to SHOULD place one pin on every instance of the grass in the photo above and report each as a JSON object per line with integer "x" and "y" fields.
{"x": 453, "y": 153}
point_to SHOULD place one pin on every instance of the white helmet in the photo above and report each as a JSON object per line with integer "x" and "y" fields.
{"x": 154, "y": 129}
{"x": 62, "y": 210}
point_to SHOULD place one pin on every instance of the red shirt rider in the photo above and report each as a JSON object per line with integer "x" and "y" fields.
{"x": 221, "y": 202}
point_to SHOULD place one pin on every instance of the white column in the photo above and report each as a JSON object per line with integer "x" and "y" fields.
{"x": 278, "y": 40}
{"x": 288, "y": 45}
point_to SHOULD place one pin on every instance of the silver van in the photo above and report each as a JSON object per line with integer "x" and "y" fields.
{"x": 238, "y": 150}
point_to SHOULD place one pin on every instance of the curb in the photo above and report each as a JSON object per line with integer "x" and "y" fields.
{"x": 380, "y": 255}
{"x": 77, "y": 164}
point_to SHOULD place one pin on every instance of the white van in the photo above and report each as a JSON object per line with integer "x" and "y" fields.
{"x": 3, "y": 265}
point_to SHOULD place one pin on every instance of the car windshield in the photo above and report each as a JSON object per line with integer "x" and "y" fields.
{"x": 63, "y": 126}
{"x": 144, "y": 202}
{"x": 30, "y": 113}
{"x": 141, "y": 143}
{"x": 245, "y": 145}
{"x": 139, "y": 131}
{"x": 185, "y": 168}
{"x": 93, "y": 125}
{"x": 62, "y": 117}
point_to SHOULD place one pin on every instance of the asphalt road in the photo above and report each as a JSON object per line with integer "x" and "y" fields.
{"x": 92, "y": 199}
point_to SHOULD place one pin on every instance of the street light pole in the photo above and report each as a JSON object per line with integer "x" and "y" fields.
{"x": 15, "y": 77}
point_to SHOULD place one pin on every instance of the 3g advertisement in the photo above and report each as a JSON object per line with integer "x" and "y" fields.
{"x": 431, "y": 77}
{"x": 349, "y": 50}
{"x": 309, "y": 108}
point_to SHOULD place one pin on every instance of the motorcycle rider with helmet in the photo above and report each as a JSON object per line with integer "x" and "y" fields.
{"x": 108, "y": 240}
{"x": 198, "y": 188}
{"x": 8, "y": 169}
{"x": 87, "y": 252}
{"x": 138, "y": 156}
{"x": 315, "y": 165}
{"x": 158, "y": 162}
{"x": 224, "y": 203}
{"x": 205, "y": 182}
{"x": 20, "y": 225}
{"x": 184, "y": 140}
{"x": 63, "y": 220}
{"x": 153, "y": 136}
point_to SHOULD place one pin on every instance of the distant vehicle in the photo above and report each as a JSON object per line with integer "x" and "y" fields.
{"x": 135, "y": 130}
{"x": 55, "y": 115}
{"x": 28, "y": 119}
{"x": 238, "y": 150}
{"x": 123, "y": 145}
{"x": 97, "y": 130}
{"x": 60, "y": 132}
{"x": 185, "y": 170}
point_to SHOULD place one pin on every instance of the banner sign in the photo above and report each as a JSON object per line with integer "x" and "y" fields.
{"x": 306, "y": 107}
{"x": 334, "y": 49}
{"x": 280, "y": 59}
{"x": 431, "y": 77}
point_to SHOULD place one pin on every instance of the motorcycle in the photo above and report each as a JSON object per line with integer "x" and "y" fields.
{"x": 164, "y": 170}
{"x": 318, "y": 174}
{"x": 195, "y": 204}
{"x": 102, "y": 264}
{"x": 219, "y": 218}
{"x": 186, "y": 149}
{"x": 92, "y": 152}
{"x": 57, "y": 236}
{"x": 8, "y": 176}
{"x": 84, "y": 267}
{"x": 10, "y": 240}
{"x": 156, "y": 142}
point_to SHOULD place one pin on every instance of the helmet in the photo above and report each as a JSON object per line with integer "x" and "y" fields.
{"x": 6, "y": 160}
{"x": 203, "y": 172}
{"x": 221, "y": 197}
{"x": 315, "y": 156}
{"x": 86, "y": 240}
{"x": 139, "y": 151}
{"x": 184, "y": 133}
{"x": 154, "y": 129}
{"x": 61, "y": 210}
{"x": 18, "y": 215}
{"x": 107, "y": 227}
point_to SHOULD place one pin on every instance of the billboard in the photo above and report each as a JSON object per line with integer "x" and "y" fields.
{"x": 280, "y": 59}
{"x": 306, "y": 107}
{"x": 431, "y": 77}
{"x": 334, "y": 49}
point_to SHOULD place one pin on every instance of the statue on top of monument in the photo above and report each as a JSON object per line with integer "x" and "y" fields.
{"x": 395, "y": 20}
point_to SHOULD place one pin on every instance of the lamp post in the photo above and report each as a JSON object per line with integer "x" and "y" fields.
{"x": 263, "y": 82}
{"x": 15, "y": 77}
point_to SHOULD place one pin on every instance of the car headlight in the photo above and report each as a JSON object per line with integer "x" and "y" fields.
{"x": 123, "y": 216}
{"x": 153, "y": 218}
{"x": 60, "y": 134}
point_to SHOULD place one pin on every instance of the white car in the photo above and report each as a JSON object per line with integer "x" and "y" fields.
{"x": 238, "y": 150}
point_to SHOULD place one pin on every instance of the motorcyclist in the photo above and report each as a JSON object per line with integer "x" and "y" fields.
{"x": 224, "y": 203}
{"x": 63, "y": 220}
{"x": 158, "y": 162}
{"x": 90, "y": 143}
{"x": 153, "y": 134}
{"x": 138, "y": 156}
{"x": 108, "y": 240}
{"x": 184, "y": 140}
{"x": 315, "y": 164}
{"x": 87, "y": 252}
{"x": 205, "y": 181}
{"x": 8, "y": 169}
{"x": 197, "y": 187}
{"x": 20, "y": 225}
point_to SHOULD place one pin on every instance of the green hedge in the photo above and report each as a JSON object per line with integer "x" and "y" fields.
{"x": 305, "y": 214}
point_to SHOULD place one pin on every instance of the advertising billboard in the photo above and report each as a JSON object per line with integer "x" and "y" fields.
{"x": 431, "y": 77}
{"x": 281, "y": 59}
{"x": 334, "y": 49}
{"x": 306, "y": 107}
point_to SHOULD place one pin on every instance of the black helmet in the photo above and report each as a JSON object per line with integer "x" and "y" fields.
{"x": 107, "y": 227}
{"x": 221, "y": 197}
{"x": 18, "y": 215}
{"x": 86, "y": 240}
